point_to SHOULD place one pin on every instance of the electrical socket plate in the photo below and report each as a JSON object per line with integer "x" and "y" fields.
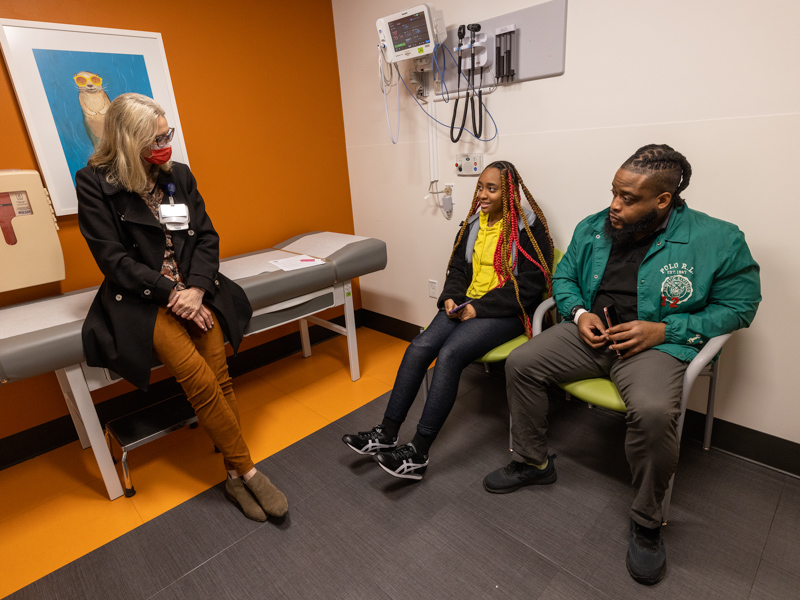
{"x": 433, "y": 288}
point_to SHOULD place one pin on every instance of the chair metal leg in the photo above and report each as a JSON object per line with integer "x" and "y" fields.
{"x": 712, "y": 394}
{"x": 510, "y": 435}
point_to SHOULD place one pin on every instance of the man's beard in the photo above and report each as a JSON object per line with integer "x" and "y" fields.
{"x": 625, "y": 235}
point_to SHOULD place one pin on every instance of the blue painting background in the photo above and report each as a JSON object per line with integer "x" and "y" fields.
{"x": 121, "y": 73}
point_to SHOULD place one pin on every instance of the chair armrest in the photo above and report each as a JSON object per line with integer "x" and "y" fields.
{"x": 699, "y": 362}
{"x": 537, "y": 321}
{"x": 705, "y": 356}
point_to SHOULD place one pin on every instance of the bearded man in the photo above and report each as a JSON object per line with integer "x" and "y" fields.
{"x": 677, "y": 278}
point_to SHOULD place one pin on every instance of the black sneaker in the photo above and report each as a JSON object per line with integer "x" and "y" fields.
{"x": 517, "y": 474}
{"x": 405, "y": 462}
{"x": 647, "y": 557}
{"x": 370, "y": 442}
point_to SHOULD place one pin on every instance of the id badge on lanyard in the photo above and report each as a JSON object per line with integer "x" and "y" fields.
{"x": 174, "y": 216}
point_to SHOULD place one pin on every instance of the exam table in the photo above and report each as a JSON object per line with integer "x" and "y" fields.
{"x": 45, "y": 335}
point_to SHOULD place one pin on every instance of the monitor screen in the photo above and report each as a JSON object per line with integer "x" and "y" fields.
{"x": 409, "y": 32}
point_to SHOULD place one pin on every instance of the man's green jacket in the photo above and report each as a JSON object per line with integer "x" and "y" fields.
{"x": 698, "y": 277}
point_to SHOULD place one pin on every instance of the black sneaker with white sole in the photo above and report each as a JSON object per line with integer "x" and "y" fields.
{"x": 405, "y": 462}
{"x": 370, "y": 442}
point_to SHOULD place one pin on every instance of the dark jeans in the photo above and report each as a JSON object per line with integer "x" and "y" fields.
{"x": 454, "y": 344}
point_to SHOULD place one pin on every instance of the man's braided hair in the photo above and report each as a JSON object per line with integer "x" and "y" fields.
{"x": 667, "y": 169}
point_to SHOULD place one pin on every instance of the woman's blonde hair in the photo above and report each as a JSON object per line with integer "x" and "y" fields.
{"x": 130, "y": 126}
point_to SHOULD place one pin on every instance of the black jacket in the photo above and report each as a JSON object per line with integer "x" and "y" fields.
{"x": 502, "y": 301}
{"x": 128, "y": 244}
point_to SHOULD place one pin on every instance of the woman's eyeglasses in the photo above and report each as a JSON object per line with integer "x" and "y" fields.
{"x": 163, "y": 140}
{"x": 82, "y": 81}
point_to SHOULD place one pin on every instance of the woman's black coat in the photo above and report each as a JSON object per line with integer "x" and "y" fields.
{"x": 128, "y": 244}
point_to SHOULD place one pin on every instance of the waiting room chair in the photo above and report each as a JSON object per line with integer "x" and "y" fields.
{"x": 602, "y": 392}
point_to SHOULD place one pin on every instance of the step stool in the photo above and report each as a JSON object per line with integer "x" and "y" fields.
{"x": 145, "y": 425}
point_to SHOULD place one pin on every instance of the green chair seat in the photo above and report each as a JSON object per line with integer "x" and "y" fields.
{"x": 599, "y": 391}
{"x": 502, "y": 351}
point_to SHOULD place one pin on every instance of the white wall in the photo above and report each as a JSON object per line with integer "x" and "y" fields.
{"x": 716, "y": 79}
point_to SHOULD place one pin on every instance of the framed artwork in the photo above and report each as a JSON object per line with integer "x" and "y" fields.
{"x": 65, "y": 76}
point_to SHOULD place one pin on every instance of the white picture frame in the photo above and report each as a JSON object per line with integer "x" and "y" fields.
{"x": 39, "y": 57}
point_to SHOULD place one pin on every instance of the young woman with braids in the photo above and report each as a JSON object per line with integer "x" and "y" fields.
{"x": 499, "y": 270}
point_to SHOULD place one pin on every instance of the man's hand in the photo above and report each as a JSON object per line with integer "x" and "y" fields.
{"x": 592, "y": 330}
{"x": 635, "y": 336}
{"x": 186, "y": 303}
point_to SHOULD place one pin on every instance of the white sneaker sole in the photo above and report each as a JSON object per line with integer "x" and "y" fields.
{"x": 372, "y": 450}
{"x": 414, "y": 476}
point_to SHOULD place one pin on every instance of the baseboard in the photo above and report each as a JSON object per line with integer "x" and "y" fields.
{"x": 32, "y": 442}
{"x": 765, "y": 449}
{"x": 390, "y": 326}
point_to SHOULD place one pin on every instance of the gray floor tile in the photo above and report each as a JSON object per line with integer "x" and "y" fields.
{"x": 366, "y": 589}
{"x": 773, "y": 583}
{"x": 736, "y": 494}
{"x": 703, "y": 560}
{"x": 568, "y": 587}
{"x": 550, "y": 519}
{"x": 152, "y": 556}
{"x": 459, "y": 555}
{"x": 229, "y": 575}
{"x": 783, "y": 544}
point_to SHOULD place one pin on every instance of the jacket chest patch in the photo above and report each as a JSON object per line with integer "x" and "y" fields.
{"x": 677, "y": 285}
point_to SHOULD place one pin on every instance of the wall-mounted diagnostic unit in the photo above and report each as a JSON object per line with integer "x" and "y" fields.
{"x": 523, "y": 45}
{"x": 29, "y": 248}
{"x": 411, "y": 33}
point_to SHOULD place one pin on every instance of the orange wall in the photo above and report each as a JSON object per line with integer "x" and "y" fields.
{"x": 261, "y": 114}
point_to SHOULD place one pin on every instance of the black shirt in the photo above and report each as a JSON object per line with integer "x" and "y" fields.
{"x": 619, "y": 283}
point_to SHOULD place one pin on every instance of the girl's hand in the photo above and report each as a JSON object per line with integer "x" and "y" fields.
{"x": 466, "y": 313}
{"x": 448, "y": 306}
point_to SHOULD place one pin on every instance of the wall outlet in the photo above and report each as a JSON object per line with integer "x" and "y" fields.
{"x": 433, "y": 288}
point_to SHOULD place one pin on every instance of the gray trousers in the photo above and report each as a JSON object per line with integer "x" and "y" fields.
{"x": 650, "y": 383}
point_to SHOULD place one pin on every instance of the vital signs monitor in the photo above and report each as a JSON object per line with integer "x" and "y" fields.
{"x": 408, "y": 34}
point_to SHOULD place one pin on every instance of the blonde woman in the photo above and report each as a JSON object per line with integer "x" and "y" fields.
{"x": 163, "y": 296}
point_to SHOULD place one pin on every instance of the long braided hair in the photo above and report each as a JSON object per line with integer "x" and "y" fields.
{"x": 666, "y": 168}
{"x": 510, "y": 185}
